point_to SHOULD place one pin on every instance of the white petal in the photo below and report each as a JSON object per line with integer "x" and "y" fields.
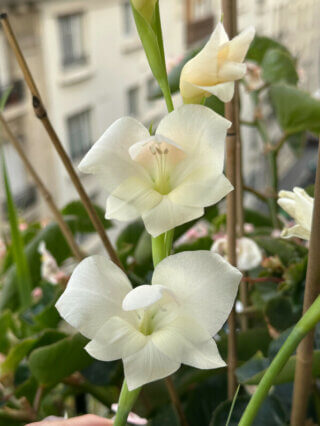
{"x": 109, "y": 157}
{"x": 195, "y": 128}
{"x": 185, "y": 340}
{"x": 239, "y": 45}
{"x": 223, "y": 91}
{"x": 167, "y": 215}
{"x": 296, "y": 231}
{"x": 134, "y": 195}
{"x": 248, "y": 254}
{"x": 116, "y": 339}
{"x": 94, "y": 293}
{"x": 144, "y": 296}
{"x": 147, "y": 365}
{"x": 231, "y": 71}
{"x": 200, "y": 190}
{"x": 204, "y": 284}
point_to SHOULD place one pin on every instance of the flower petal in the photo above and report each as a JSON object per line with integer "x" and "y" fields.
{"x": 94, "y": 294}
{"x": 248, "y": 254}
{"x": 199, "y": 190}
{"x": 195, "y": 128}
{"x": 223, "y": 91}
{"x": 239, "y": 45}
{"x": 144, "y": 296}
{"x": 134, "y": 196}
{"x": 109, "y": 157}
{"x": 147, "y": 365}
{"x": 296, "y": 231}
{"x": 167, "y": 215}
{"x": 204, "y": 284}
{"x": 186, "y": 341}
{"x": 116, "y": 339}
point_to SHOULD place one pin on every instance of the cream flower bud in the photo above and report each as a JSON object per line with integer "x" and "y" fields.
{"x": 299, "y": 205}
{"x": 145, "y": 7}
{"x": 152, "y": 328}
{"x": 214, "y": 70}
{"x": 168, "y": 178}
{"x": 248, "y": 253}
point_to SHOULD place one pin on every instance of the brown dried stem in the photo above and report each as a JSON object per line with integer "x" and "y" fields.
{"x": 44, "y": 191}
{"x": 303, "y": 371}
{"x": 43, "y": 117}
{"x": 176, "y": 401}
{"x": 231, "y": 113}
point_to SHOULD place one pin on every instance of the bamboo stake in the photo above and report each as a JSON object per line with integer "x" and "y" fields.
{"x": 303, "y": 371}
{"x": 44, "y": 191}
{"x": 41, "y": 113}
{"x": 230, "y": 17}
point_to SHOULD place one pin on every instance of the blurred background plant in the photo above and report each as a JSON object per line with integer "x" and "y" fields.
{"x": 44, "y": 369}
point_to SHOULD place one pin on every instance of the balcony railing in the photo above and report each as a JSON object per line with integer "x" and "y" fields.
{"x": 199, "y": 29}
{"x": 17, "y": 92}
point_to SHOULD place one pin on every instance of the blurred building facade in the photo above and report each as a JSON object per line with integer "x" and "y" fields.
{"x": 90, "y": 68}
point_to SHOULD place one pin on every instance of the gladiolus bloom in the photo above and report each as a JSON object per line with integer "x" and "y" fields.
{"x": 167, "y": 179}
{"x": 299, "y": 205}
{"x": 248, "y": 253}
{"x": 152, "y": 328}
{"x": 215, "y": 68}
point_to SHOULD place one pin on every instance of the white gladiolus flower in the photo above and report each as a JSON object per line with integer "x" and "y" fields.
{"x": 215, "y": 68}
{"x": 248, "y": 253}
{"x": 167, "y": 179}
{"x": 299, "y": 205}
{"x": 145, "y": 7}
{"x": 153, "y": 328}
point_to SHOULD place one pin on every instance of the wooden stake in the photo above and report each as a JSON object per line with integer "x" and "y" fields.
{"x": 44, "y": 191}
{"x": 230, "y": 23}
{"x": 43, "y": 117}
{"x": 303, "y": 371}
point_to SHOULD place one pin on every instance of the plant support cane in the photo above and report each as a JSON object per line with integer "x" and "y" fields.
{"x": 229, "y": 7}
{"x": 303, "y": 373}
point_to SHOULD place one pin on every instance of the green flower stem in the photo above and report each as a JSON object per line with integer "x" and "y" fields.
{"x": 161, "y": 246}
{"x": 301, "y": 329}
{"x": 126, "y": 402}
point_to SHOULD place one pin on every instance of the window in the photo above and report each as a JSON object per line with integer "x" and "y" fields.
{"x": 199, "y": 9}
{"x": 71, "y": 37}
{"x": 79, "y": 132}
{"x": 128, "y": 20}
{"x": 133, "y": 101}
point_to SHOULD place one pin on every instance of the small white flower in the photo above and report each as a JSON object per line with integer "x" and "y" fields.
{"x": 299, "y": 205}
{"x": 248, "y": 253}
{"x": 167, "y": 179}
{"x": 50, "y": 270}
{"x": 215, "y": 68}
{"x": 153, "y": 328}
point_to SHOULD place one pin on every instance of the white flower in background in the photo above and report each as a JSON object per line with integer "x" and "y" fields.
{"x": 215, "y": 68}
{"x": 153, "y": 328}
{"x": 50, "y": 270}
{"x": 299, "y": 205}
{"x": 167, "y": 179}
{"x": 145, "y": 7}
{"x": 249, "y": 255}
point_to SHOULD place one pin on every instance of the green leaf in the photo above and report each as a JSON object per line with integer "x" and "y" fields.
{"x": 278, "y": 65}
{"x": 4, "y": 98}
{"x": 260, "y": 46}
{"x": 271, "y": 412}
{"x": 256, "y": 218}
{"x": 80, "y": 219}
{"x": 215, "y": 104}
{"x": 252, "y": 367}
{"x": 51, "y": 364}
{"x": 16, "y": 354}
{"x": 23, "y": 273}
{"x": 279, "y": 312}
{"x": 288, "y": 251}
{"x": 297, "y": 143}
{"x": 295, "y": 109}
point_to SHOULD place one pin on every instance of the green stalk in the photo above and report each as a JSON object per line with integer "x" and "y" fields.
{"x": 301, "y": 329}
{"x": 126, "y": 401}
{"x": 161, "y": 246}
{"x": 23, "y": 272}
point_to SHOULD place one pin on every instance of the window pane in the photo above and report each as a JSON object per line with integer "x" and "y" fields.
{"x": 133, "y": 101}
{"x": 128, "y": 20}
{"x": 79, "y": 132}
{"x": 71, "y": 37}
